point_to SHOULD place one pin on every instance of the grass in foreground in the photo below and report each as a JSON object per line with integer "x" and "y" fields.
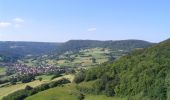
{"x": 10, "y": 89}
{"x": 45, "y": 78}
{"x": 101, "y": 97}
{"x": 67, "y": 92}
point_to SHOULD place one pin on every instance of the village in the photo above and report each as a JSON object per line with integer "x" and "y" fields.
{"x": 22, "y": 69}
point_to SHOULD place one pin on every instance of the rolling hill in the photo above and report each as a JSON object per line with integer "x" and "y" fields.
{"x": 141, "y": 75}
{"x": 127, "y": 45}
{"x": 11, "y": 51}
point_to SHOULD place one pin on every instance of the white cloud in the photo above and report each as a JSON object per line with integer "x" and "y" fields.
{"x": 17, "y": 23}
{"x": 92, "y": 29}
{"x": 18, "y": 20}
{"x": 5, "y": 24}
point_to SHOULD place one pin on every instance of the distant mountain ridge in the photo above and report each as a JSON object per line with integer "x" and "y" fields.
{"x": 16, "y": 50}
{"x": 119, "y": 44}
{"x": 127, "y": 45}
{"x": 10, "y": 50}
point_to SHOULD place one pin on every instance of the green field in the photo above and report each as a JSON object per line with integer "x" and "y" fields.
{"x": 83, "y": 58}
{"x": 67, "y": 92}
{"x": 45, "y": 78}
{"x": 12, "y": 88}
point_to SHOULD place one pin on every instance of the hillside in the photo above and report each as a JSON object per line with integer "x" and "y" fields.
{"x": 75, "y": 53}
{"x": 67, "y": 92}
{"x": 143, "y": 74}
{"x": 85, "y": 53}
{"x": 76, "y": 45}
{"x": 11, "y": 51}
{"x": 82, "y": 58}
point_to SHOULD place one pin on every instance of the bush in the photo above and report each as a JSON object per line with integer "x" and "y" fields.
{"x": 40, "y": 78}
{"x": 79, "y": 77}
{"x": 28, "y": 87}
{"x": 27, "y": 78}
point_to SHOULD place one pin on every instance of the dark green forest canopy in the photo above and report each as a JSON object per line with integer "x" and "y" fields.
{"x": 142, "y": 73}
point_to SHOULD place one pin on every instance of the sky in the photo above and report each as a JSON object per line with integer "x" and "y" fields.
{"x": 63, "y": 20}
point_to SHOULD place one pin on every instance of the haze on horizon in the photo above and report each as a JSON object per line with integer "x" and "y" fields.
{"x": 60, "y": 21}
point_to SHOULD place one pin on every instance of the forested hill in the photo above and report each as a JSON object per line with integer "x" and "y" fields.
{"x": 126, "y": 45}
{"x": 14, "y": 50}
{"x": 142, "y": 75}
{"x": 10, "y": 50}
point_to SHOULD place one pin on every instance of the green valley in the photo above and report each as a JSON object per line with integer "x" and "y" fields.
{"x": 95, "y": 72}
{"x": 82, "y": 58}
{"x": 84, "y": 49}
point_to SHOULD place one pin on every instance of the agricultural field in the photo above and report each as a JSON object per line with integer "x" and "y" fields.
{"x": 45, "y": 78}
{"x": 12, "y": 88}
{"x": 83, "y": 58}
{"x": 7, "y": 89}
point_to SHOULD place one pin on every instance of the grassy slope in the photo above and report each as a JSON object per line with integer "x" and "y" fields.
{"x": 46, "y": 78}
{"x": 101, "y": 97}
{"x": 7, "y": 90}
{"x": 12, "y": 88}
{"x": 68, "y": 92}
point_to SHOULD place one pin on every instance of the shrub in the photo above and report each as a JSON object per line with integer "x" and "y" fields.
{"x": 79, "y": 77}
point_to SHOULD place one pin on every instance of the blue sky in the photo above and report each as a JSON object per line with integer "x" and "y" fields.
{"x": 62, "y": 20}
